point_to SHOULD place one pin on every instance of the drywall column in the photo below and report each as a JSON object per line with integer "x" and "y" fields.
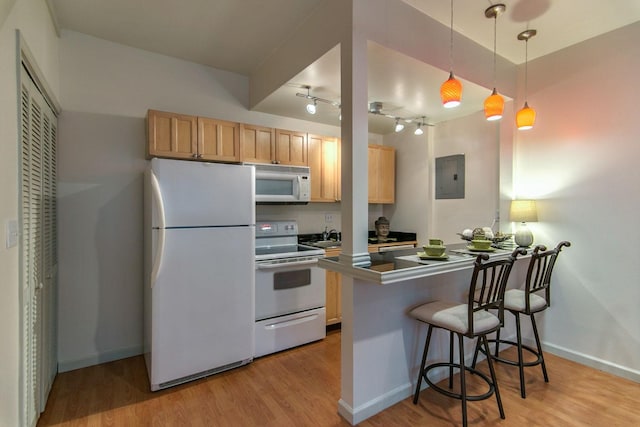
{"x": 354, "y": 166}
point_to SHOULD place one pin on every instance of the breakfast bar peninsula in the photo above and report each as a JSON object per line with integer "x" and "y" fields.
{"x": 381, "y": 345}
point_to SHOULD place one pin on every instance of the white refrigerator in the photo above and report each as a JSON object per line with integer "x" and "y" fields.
{"x": 199, "y": 269}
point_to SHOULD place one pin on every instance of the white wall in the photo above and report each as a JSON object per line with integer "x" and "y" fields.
{"x": 106, "y": 91}
{"x": 31, "y": 17}
{"x": 581, "y": 163}
{"x": 416, "y": 207}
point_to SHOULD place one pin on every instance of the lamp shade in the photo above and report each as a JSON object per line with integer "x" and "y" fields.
{"x": 451, "y": 92}
{"x": 526, "y": 117}
{"x": 523, "y": 211}
{"x": 493, "y": 106}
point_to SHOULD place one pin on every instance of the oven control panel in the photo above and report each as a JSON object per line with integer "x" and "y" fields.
{"x": 276, "y": 228}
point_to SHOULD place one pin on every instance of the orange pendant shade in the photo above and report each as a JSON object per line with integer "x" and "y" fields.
{"x": 451, "y": 92}
{"x": 526, "y": 117}
{"x": 493, "y": 106}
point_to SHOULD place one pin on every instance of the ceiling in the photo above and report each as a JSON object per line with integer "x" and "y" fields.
{"x": 238, "y": 36}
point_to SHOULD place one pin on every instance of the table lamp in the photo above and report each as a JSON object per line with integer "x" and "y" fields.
{"x": 523, "y": 211}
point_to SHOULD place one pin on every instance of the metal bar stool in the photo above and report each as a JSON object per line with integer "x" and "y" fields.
{"x": 535, "y": 297}
{"x": 472, "y": 319}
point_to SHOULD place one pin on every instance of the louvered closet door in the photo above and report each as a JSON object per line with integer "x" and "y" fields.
{"x": 39, "y": 256}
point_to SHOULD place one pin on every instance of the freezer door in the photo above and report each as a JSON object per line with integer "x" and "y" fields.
{"x": 194, "y": 194}
{"x": 202, "y": 302}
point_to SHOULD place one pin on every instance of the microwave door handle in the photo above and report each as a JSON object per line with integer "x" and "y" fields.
{"x": 299, "y": 179}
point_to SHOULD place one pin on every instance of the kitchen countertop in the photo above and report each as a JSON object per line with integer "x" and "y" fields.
{"x": 404, "y": 264}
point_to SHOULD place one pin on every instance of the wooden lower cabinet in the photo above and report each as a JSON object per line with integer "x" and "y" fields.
{"x": 333, "y": 304}
{"x": 334, "y": 298}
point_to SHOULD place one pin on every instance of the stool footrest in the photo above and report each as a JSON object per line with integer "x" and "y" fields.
{"x": 446, "y": 392}
{"x": 515, "y": 362}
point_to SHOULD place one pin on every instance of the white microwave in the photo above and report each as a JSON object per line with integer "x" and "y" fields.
{"x": 280, "y": 184}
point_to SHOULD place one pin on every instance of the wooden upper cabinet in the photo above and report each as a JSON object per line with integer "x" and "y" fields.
{"x": 324, "y": 167}
{"x": 382, "y": 174}
{"x": 171, "y": 135}
{"x": 291, "y": 148}
{"x": 218, "y": 140}
{"x": 257, "y": 144}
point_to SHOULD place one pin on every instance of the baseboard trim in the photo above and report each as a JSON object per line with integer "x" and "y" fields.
{"x": 110, "y": 356}
{"x": 593, "y": 362}
{"x": 372, "y": 407}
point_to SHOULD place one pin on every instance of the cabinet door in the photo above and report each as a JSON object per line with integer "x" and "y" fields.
{"x": 333, "y": 304}
{"x": 291, "y": 148}
{"x": 381, "y": 174}
{"x": 334, "y": 298}
{"x": 257, "y": 144}
{"x": 171, "y": 135}
{"x": 323, "y": 163}
{"x": 218, "y": 140}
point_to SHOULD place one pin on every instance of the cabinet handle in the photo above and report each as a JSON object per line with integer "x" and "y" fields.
{"x": 194, "y": 155}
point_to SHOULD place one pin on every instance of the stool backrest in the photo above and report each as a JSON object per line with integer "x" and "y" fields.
{"x": 539, "y": 272}
{"x": 488, "y": 284}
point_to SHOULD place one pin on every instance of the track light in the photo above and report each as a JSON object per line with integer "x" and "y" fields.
{"x": 312, "y": 107}
{"x": 526, "y": 117}
{"x": 494, "y": 104}
{"x": 399, "y": 126}
{"x": 419, "y": 130}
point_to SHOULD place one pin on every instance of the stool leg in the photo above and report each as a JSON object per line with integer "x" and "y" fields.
{"x": 450, "y": 360}
{"x": 475, "y": 354}
{"x": 497, "y": 343}
{"x": 493, "y": 377}
{"x": 463, "y": 387}
{"x": 535, "y": 333}
{"x": 424, "y": 361}
{"x": 523, "y": 393}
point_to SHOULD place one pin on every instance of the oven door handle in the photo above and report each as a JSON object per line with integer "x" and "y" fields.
{"x": 271, "y": 266}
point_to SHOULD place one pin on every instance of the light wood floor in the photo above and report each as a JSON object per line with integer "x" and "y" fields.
{"x": 301, "y": 387}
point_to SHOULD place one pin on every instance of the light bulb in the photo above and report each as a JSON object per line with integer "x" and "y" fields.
{"x": 418, "y": 130}
{"x": 311, "y": 108}
{"x": 399, "y": 126}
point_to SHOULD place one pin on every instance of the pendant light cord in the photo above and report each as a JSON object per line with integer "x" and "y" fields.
{"x": 526, "y": 69}
{"x": 451, "y": 41}
{"x": 495, "y": 24}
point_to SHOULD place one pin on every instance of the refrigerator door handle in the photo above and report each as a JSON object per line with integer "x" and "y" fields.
{"x": 157, "y": 257}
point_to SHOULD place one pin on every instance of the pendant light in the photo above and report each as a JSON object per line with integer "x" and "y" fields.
{"x": 526, "y": 117}
{"x": 494, "y": 104}
{"x": 451, "y": 90}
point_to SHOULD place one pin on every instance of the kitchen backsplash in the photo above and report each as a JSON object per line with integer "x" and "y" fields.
{"x": 314, "y": 217}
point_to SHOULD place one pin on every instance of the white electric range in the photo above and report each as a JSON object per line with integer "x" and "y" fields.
{"x": 290, "y": 289}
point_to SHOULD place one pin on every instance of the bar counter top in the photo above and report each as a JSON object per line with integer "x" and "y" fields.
{"x": 404, "y": 264}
